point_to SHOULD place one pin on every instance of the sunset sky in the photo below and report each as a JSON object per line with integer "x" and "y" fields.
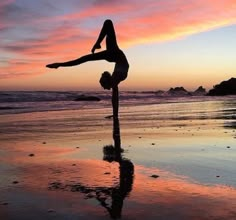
{"x": 168, "y": 42}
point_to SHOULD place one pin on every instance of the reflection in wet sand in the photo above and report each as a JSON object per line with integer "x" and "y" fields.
{"x": 194, "y": 158}
{"x": 116, "y": 193}
{"x": 107, "y": 185}
{"x": 168, "y": 197}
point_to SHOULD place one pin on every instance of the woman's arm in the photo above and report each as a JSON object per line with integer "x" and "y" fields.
{"x": 115, "y": 101}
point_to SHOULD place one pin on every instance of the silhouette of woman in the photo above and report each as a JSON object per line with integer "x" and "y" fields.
{"x": 111, "y": 54}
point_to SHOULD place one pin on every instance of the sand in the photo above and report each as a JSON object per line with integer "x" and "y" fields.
{"x": 178, "y": 163}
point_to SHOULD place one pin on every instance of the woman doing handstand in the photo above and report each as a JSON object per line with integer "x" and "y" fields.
{"x": 111, "y": 54}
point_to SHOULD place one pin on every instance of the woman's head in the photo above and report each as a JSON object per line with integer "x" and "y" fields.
{"x": 105, "y": 80}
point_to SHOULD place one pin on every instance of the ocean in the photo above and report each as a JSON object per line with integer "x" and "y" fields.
{"x": 38, "y": 101}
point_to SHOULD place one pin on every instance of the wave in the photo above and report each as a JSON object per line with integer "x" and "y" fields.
{"x": 36, "y": 96}
{"x": 50, "y": 96}
{"x": 38, "y": 101}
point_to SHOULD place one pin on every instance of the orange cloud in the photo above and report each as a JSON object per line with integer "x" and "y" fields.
{"x": 177, "y": 20}
{"x": 67, "y": 36}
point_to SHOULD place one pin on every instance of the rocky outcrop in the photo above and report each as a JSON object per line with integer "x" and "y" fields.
{"x": 199, "y": 91}
{"x": 178, "y": 91}
{"x": 87, "y": 98}
{"x": 224, "y": 88}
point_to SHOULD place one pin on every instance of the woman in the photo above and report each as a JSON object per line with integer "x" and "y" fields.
{"x": 111, "y": 54}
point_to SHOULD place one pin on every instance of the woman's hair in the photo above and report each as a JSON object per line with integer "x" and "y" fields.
{"x": 105, "y": 80}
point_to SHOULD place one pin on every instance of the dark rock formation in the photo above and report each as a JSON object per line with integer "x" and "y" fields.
{"x": 224, "y": 88}
{"x": 87, "y": 98}
{"x": 159, "y": 92}
{"x": 199, "y": 91}
{"x": 178, "y": 91}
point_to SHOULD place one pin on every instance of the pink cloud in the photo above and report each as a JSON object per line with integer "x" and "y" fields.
{"x": 68, "y": 36}
{"x": 179, "y": 19}
{"x": 6, "y": 2}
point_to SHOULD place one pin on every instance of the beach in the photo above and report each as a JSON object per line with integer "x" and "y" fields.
{"x": 178, "y": 162}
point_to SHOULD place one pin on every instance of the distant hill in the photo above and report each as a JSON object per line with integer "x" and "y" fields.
{"x": 224, "y": 88}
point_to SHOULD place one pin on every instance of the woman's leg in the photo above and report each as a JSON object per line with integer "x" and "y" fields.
{"x": 90, "y": 57}
{"x": 107, "y": 31}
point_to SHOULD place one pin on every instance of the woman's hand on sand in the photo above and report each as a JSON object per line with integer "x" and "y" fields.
{"x": 95, "y": 47}
{"x": 53, "y": 65}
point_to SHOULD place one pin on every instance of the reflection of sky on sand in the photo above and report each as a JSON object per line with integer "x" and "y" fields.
{"x": 169, "y": 196}
{"x": 191, "y": 146}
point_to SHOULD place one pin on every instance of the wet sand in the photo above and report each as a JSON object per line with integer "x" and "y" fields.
{"x": 178, "y": 163}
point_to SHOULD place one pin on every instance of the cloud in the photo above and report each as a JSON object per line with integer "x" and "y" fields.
{"x": 5, "y": 2}
{"x": 179, "y": 19}
{"x": 59, "y": 30}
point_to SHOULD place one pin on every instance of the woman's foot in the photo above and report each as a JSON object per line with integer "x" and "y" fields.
{"x": 53, "y": 65}
{"x": 95, "y": 47}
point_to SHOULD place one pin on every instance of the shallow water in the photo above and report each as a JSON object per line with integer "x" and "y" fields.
{"x": 189, "y": 147}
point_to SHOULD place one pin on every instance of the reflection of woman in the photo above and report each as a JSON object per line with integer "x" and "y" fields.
{"x": 111, "y": 54}
{"x": 126, "y": 168}
{"x": 122, "y": 190}
{"x": 109, "y": 197}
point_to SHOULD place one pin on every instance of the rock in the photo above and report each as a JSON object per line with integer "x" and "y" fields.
{"x": 109, "y": 116}
{"x": 159, "y": 93}
{"x": 44, "y": 142}
{"x": 154, "y": 176}
{"x": 31, "y": 155}
{"x": 87, "y": 98}
{"x": 55, "y": 185}
{"x": 224, "y": 88}
{"x": 178, "y": 91}
{"x": 199, "y": 91}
